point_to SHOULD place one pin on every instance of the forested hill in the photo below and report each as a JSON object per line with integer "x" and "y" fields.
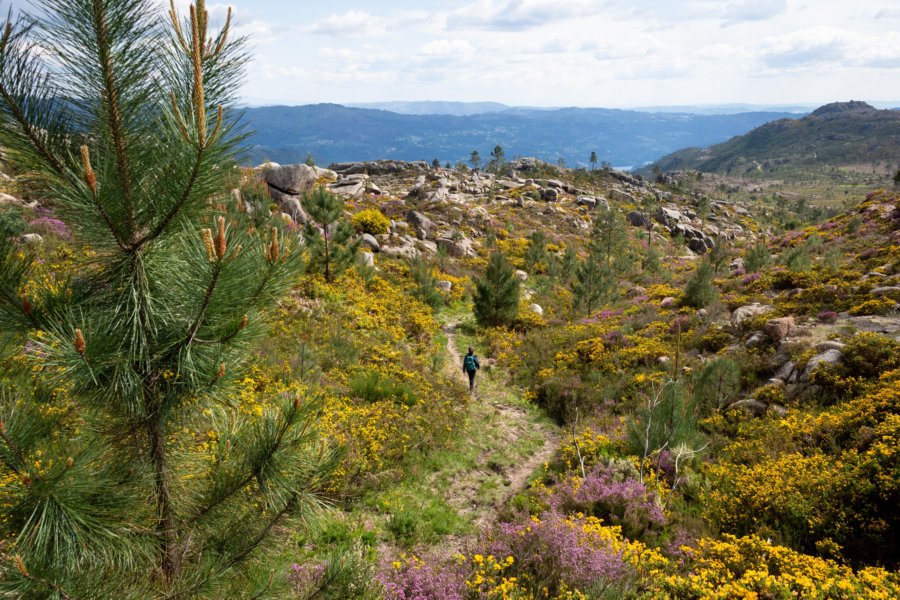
{"x": 839, "y": 134}
{"x": 334, "y": 133}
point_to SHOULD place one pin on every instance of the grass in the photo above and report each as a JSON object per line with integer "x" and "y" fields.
{"x": 442, "y": 495}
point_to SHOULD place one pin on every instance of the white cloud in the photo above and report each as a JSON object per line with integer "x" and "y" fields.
{"x": 454, "y": 47}
{"x": 741, "y": 11}
{"x": 888, "y": 13}
{"x": 519, "y": 15}
{"x": 349, "y": 24}
{"x": 805, "y": 47}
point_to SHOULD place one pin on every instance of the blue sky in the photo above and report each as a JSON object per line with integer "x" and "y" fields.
{"x": 616, "y": 53}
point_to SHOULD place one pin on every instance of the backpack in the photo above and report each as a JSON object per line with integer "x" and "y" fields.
{"x": 470, "y": 363}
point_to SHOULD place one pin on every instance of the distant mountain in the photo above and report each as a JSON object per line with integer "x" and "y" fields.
{"x": 459, "y": 109}
{"x": 730, "y": 109}
{"x": 839, "y": 134}
{"x": 334, "y": 133}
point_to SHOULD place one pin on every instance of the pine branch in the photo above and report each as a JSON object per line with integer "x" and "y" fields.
{"x": 170, "y": 216}
{"x": 114, "y": 113}
{"x": 15, "y": 109}
{"x": 255, "y": 472}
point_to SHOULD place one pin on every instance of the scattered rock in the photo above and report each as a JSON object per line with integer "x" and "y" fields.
{"x": 757, "y": 339}
{"x": 295, "y": 180}
{"x": 702, "y": 314}
{"x": 747, "y": 312}
{"x": 7, "y": 200}
{"x": 460, "y": 248}
{"x": 827, "y": 359}
{"x": 378, "y": 167}
{"x": 638, "y": 219}
{"x": 406, "y": 251}
{"x": 750, "y": 405}
{"x": 787, "y": 372}
{"x": 419, "y": 221}
{"x": 829, "y": 345}
{"x": 777, "y": 410}
{"x": 667, "y": 302}
{"x": 445, "y": 285}
{"x": 32, "y": 239}
{"x": 887, "y": 290}
{"x": 370, "y": 241}
{"x": 367, "y": 258}
{"x": 778, "y": 329}
{"x": 522, "y": 275}
{"x": 536, "y": 309}
{"x": 550, "y": 195}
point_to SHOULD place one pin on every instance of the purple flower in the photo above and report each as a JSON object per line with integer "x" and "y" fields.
{"x": 827, "y": 316}
{"x": 51, "y": 226}
{"x": 417, "y": 580}
{"x": 558, "y": 552}
{"x": 679, "y": 324}
{"x": 751, "y": 278}
{"x": 606, "y": 494}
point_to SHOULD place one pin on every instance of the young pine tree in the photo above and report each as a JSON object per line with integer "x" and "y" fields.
{"x": 536, "y": 255}
{"x": 597, "y": 276}
{"x": 328, "y": 236}
{"x": 497, "y": 293}
{"x": 426, "y": 283}
{"x": 700, "y": 290}
{"x": 138, "y": 476}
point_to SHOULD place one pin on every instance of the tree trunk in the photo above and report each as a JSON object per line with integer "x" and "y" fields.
{"x": 166, "y": 525}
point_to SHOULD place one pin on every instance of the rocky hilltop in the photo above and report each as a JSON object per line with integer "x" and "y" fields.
{"x": 839, "y": 134}
{"x": 453, "y": 209}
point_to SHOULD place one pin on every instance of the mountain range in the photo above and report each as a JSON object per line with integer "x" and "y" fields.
{"x": 623, "y": 138}
{"x": 842, "y": 134}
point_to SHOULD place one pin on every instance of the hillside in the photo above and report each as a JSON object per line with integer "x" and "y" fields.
{"x": 624, "y": 448}
{"x": 847, "y": 134}
{"x": 334, "y": 133}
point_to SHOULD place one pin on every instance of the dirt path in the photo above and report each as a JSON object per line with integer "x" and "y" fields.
{"x": 516, "y": 443}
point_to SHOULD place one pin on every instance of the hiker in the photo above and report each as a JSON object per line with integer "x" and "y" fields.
{"x": 470, "y": 367}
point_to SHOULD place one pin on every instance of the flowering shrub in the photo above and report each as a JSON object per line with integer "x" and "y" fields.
{"x": 371, "y": 221}
{"x": 875, "y": 306}
{"x": 51, "y": 226}
{"x": 411, "y": 578}
{"x": 750, "y": 567}
{"x": 607, "y": 493}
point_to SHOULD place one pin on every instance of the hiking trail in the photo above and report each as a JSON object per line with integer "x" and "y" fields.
{"x": 515, "y": 440}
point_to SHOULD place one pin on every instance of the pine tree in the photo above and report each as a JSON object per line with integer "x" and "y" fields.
{"x": 139, "y": 477}
{"x": 426, "y": 283}
{"x": 328, "y": 236}
{"x": 475, "y": 159}
{"x": 607, "y": 259}
{"x": 700, "y": 290}
{"x": 536, "y": 256}
{"x": 498, "y": 159}
{"x": 719, "y": 254}
{"x": 591, "y": 284}
{"x": 593, "y": 160}
{"x": 497, "y": 293}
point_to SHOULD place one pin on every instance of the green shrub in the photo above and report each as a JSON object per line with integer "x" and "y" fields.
{"x": 426, "y": 284}
{"x": 717, "y": 384}
{"x": 497, "y": 293}
{"x": 372, "y": 386}
{"x": 871, "y": 354}
{"x": 756, "y": 258}
{"x": 371, "y": 221}
{"x": 11, "y": 221}
{"x": 403, "y": 525}
{"x": 714, "y": 339}
{"x": 700, "y": 290}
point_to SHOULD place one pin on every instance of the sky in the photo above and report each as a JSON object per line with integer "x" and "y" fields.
{"x": 592, "y": 53}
